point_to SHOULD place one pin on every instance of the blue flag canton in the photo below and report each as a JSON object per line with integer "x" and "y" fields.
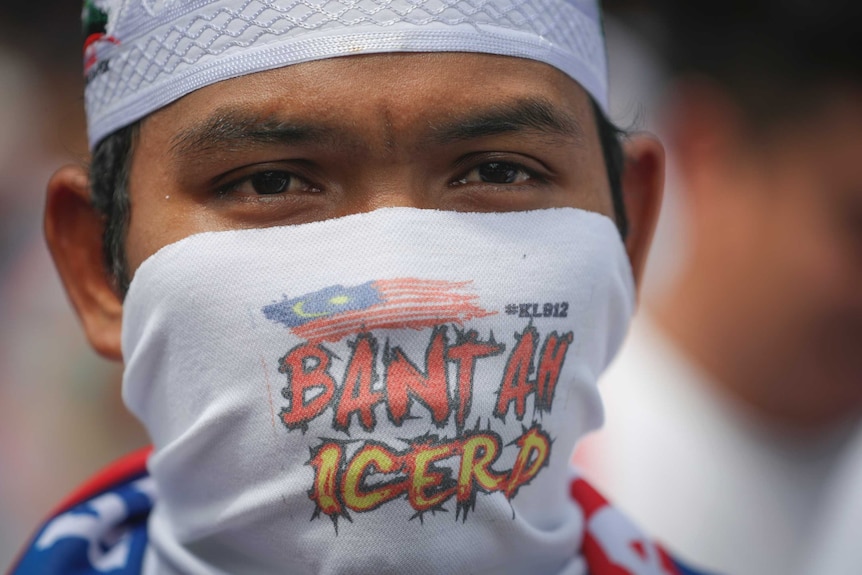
{"x": 323, "y": 303}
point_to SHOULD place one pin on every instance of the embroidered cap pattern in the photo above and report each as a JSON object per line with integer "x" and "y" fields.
{"x": 167, "y": 49}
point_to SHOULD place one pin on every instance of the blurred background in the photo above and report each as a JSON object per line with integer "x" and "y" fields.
{"x": 732, "y": 429}
{"x": 733, "y": 411}
{"x": 61, "y": 417}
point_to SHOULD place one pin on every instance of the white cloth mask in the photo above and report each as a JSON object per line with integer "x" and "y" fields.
{"x": 390, "y": 392}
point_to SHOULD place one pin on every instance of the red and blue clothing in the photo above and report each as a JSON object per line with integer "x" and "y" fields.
{"x": 102, "y": 529}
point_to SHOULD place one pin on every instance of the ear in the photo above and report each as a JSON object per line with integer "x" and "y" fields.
{"x": 643, "y": 187}
{"x": 73, "y": 229}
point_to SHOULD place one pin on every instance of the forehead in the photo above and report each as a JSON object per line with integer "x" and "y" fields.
{"x": 408, "y": 91}
{"x": 825, "y": 139}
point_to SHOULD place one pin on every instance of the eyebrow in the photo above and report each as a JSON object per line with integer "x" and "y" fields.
{"x": 525, "y": 114}
{"x": 228, "y": 129}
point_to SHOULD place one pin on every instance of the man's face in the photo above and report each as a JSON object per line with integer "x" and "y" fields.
{"x": 781, "y": 217}
{"x": 309, "y": 142}
{"x": 467, "y": 132}
{"x": 812, "y": 237}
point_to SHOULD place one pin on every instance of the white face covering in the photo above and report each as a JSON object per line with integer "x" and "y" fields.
{"x": 390, "y": 392}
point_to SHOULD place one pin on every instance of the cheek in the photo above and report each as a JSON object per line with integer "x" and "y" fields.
{"x": 155, "y": 204}
{"x": 821, "y": 261}
{"x": 159, "y": 216}
{"x": 143, "y": 239}
{"x": 814, "y": 296}
{"x": 587, "y": 188}
{"x": 821, "y": 264}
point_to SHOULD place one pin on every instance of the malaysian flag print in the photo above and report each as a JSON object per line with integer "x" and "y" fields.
{"x": 337, "y": 311}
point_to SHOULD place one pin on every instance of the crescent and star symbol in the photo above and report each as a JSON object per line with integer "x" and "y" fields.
{"x": 300, "y": 312}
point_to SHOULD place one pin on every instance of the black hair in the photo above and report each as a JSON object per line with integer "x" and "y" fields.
{"x": 112, "y": 161}
{"x": 611, "y": 139}
{"x": 109, "y": 193}
{"x": 775, "y": 58}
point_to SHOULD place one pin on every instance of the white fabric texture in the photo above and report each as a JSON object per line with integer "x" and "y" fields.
{"x": 390, "y": 392}
{"x": 154, "y": 52}
{"x": 700, "y": 472}
{"x": 836, "y": 549}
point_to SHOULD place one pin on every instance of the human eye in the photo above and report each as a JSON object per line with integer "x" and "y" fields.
{"x": 268, "y": 183}
{"x": 499, "y": 173}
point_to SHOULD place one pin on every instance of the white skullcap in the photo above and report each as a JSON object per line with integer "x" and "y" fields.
{"x": 143, "y": 54}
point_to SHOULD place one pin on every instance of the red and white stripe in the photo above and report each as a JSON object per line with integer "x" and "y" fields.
{"x": 407, "y": 303}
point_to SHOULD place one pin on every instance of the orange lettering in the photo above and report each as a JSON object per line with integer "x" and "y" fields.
{"x": 423, "y": 478}
{"x": 478, "y": 453}
{"x": 535, "y": 448}
{"x": 356, "y": 395}
{"x": 368, "y": 458}
{"x": 404, "y": 381}
{"x": 516, "y": 385}
{"x": 326, "y": 462}
{"x": 307, "y": 369}
{"x": 550, "y": 365}
{"x": 465, "y": 353}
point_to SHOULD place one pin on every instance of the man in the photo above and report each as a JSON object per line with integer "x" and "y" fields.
{"x": 738, "y": 396}
{"x": 365, "y": 265}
